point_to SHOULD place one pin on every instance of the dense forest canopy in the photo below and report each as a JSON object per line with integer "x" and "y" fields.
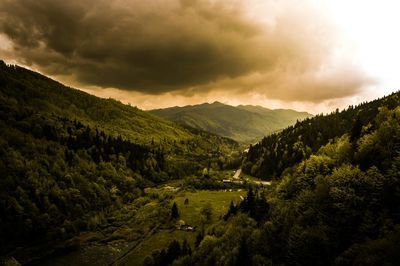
{"x": 336, "y": 204}
{"x": 69, "y": 160}
{"x": 275, "y": 153}
{"x": 67, "y": 157}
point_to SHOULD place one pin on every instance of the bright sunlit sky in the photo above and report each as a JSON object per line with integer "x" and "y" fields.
{"x": 372, "y": 27}
{"x": 311, "y": 55}
{"x": 368, "y": 30}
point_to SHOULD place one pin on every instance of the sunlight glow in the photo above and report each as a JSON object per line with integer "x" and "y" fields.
{"x": 372, "y": 27}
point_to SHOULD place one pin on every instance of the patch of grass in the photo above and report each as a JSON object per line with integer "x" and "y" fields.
{"x": 158, "y": 241}
{"x": 190, "y": 213}
{"x": 219, "y": 201}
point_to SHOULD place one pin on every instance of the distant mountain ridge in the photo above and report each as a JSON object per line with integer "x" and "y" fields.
{"x": 243, "y": 123}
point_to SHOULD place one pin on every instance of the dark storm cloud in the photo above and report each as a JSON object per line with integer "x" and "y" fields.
{"x": 186, "y": 46}
{"x": 152, "y": 47}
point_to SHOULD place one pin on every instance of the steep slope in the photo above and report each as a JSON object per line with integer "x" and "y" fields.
{"x": 31, "y": 89}
{"x": 242, "y": 123}
{"x": 271, "y": 156}
{"x": 67, "y": 159}
{"x": 20, "y": 87}
{"x": 337, "y": 203}
{"x": 280, "y": 118}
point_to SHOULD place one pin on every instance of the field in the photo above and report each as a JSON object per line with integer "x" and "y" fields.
{"x": 137, "y": 220}
{"x": 219, "y": 201}
{"x": 190, "y": 214}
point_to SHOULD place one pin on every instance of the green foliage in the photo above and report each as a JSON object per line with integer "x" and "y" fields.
{"x": 210, "y": 181}
{"x": 380, "y": 146}
{"x": 339, "y": 150}
{"x": 202, "y": 199}
{"x": 222, "y": 244}
{"x": 64, "y": 169}
{"x": 231, "y": 211}
{"x": 269, "y": 158}
{"x": 174, "y": 211}
{"x": 337, "y": 206}
{"x": 53, "y": 185}
{"x": 254, "y": 204}
{"x": 206, "y": 213}
{"x": 189, "y": 150}
{"x": 167, "y": 256}
{"x": 243, "y": 256}
{"x": 69, "y": 159}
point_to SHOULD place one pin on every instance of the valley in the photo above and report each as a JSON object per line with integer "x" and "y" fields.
{"x": 90, "y": 181}
{"x": 199, "y": 133}
{"x": 129, "y": 235}
{"x": 82, "y": 186}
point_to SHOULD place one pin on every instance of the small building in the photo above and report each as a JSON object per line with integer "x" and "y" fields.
{"x": 237, "y": 174}
{"x": 181, "y": 225}
{"x": 169, "y": 188}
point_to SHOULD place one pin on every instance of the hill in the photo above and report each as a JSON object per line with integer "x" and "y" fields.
{"x": 244, "y": 123}
{"x": 67, "y": 158}
{"x": 24, "y": 90}
{"x": 334, "y": 200}
{"x": 273, "y": 154}
{"x": 30, "y": 89}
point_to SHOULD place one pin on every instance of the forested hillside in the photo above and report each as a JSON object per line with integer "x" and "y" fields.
{"x": 338, "y": 203}
{"x": 244, "y": 123}
{"x": 68, "y": 158}
{"x": 275, "y": 153}
{"x": 79, "y": 170}
{"x": 27, "y": 88}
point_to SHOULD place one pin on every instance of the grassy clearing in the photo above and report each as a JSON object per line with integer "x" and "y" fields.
{"x": 159, "y": 241}
{"x": 219, "y": 201}
{"x": 190, "y": 213}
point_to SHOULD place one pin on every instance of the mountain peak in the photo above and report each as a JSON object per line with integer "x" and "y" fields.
{"x": 217, "y": 103}
{"x": 245, "y": 123}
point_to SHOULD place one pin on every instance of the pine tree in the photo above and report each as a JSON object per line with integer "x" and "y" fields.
{"x": 174, "y": 211}
{"x": 186, "y": 250}
{"x": 199, "y": 238}
{"x": 243, "y": 257}
{"x": 231, "y": 211}
{"x": 173, "y": 252}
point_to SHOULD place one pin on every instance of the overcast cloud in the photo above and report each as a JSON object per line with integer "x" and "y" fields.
{"x": 184, "y": 47}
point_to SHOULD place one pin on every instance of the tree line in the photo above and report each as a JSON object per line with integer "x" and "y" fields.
{"x": 275, "y": 153}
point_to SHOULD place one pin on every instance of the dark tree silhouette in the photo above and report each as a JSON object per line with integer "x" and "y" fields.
{"x": 174, "y": 211}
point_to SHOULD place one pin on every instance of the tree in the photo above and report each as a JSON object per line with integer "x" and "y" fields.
{"x": 172, "y": 253}
{"x": 356, "y": 129}
{"x": 231, "y": 211}
{"x": 243, "y": 257}
{"x": 248, "y": 204}
{"x": 174, "y": 211}
{"x": 206, "y": 213}
{"x": 199, "y": 238}
{"x": 186, "y": 250}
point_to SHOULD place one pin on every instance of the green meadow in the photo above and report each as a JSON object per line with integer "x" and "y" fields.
{"x": 191, "y": 214}
{"x": 218, "y": 200}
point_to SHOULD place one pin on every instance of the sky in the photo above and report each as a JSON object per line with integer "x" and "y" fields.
{"x": 308, "y": 55}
